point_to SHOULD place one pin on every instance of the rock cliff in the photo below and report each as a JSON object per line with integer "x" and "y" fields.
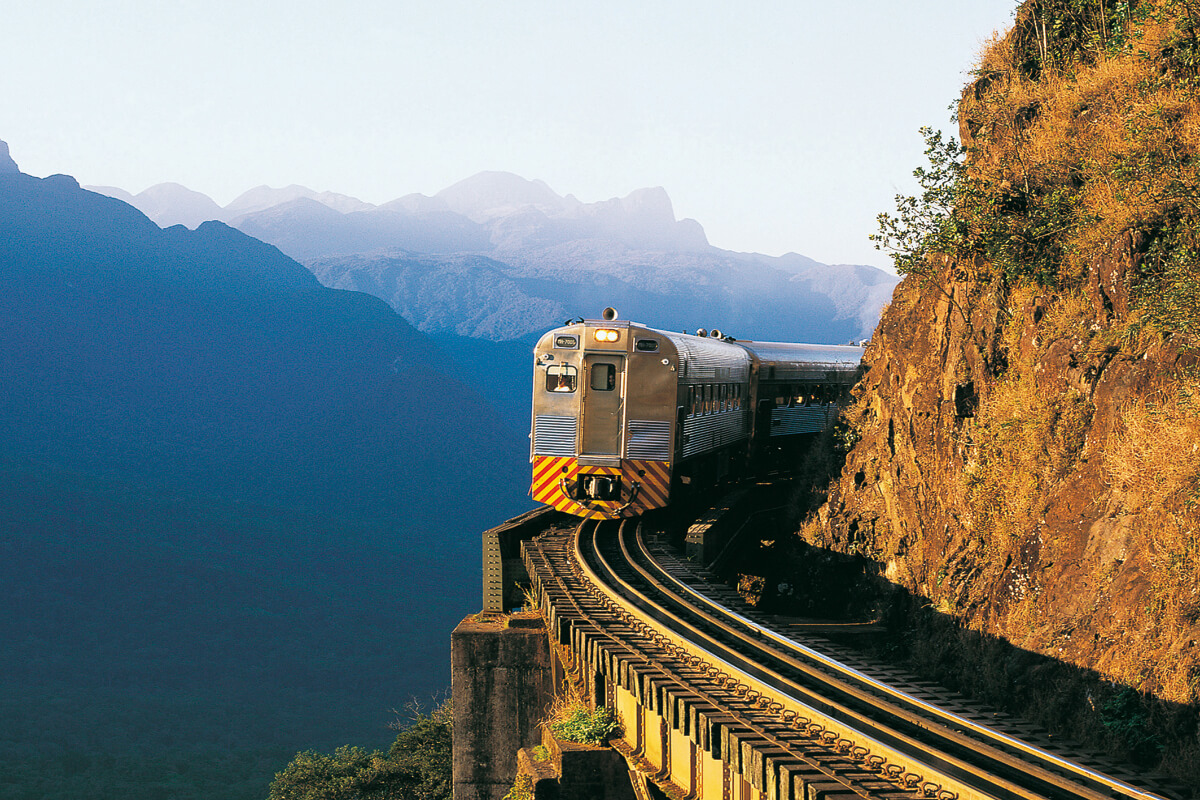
{"x": 1026, "y": 460}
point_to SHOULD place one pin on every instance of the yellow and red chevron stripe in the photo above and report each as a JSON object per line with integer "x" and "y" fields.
{"x": 653, "y": 479}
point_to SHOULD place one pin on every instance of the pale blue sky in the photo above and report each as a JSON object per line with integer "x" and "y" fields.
{"x": 779, "y": 126}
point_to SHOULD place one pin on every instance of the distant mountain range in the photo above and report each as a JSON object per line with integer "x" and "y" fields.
{"x": 224, "y": 534}
{"x": 501, "y": 258}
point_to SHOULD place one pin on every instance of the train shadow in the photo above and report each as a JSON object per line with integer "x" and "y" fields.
{"x": 847, "y": 599}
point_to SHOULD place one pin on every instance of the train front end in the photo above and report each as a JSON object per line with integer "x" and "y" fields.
{"x": 604, "y": 414}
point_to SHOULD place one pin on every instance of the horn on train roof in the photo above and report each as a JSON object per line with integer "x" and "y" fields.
{"x": 701, "y": 332}
{"x": 716, "y": 333}
{"x": 609, "y": 314}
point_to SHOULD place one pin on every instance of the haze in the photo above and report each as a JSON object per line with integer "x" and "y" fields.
{"x": 782, "y": 126}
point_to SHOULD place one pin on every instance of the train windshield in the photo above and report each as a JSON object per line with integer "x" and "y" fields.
{"x": 561, "y": 378}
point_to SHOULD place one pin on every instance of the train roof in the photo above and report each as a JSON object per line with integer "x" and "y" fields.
{"x": 708, "y": 358}
{"x": 842, "y": 355}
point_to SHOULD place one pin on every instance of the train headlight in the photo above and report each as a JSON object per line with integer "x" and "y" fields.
{"x": 606, "y": 335}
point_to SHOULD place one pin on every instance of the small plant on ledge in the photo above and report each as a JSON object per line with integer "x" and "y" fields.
{"x": 577, "y": 724}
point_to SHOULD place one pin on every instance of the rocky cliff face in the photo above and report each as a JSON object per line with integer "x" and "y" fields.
{"x": 984, "y": 478}
{"x": 1027, "y": 443}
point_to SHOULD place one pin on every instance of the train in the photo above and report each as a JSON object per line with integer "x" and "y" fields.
{"x": 628, "y": 418}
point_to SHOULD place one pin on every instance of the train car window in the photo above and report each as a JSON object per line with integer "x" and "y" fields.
{"x": 561, "y": 378}
{"x": 691, "y": 401}
{"x": 604, "y": 377}
{"x": 566, "y": 342}
{"x": 647, "y": 345}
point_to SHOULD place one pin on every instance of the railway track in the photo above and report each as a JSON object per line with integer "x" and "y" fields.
{"x": 777, "y": 705}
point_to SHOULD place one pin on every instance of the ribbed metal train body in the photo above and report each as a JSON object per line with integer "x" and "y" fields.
{"x": 622, "y": 413}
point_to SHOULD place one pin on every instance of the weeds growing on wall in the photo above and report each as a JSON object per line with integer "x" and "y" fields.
{"x": 583, "y": 726}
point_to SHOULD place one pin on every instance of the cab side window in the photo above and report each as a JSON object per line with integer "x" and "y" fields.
{"x": 561, "y": 378}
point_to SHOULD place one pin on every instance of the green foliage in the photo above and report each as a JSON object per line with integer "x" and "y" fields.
{"x": 1019, "y": 229}
{"x": 540, "y": 753}
{"x": 1169, "y": 293}
{"x": 1124, "y": 715}
{"x": 348, "y": 774}
{"x": 586, "y": 727}
{"x": 844, "y": 437}
{"x": 416, "y": 767}
{"x": 1056, "y": 33}
{"x": 925, "y": 224}
{"x": 522, "y": 789}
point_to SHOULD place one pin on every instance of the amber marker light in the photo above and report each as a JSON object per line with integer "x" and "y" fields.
{"x": 606, "y": 335}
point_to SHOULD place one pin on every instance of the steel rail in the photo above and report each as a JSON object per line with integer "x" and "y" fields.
{"x": 1044, "y": 778}
{"x": 631, "y": 607}
{"x": 733, "y": 711}
{"x": 948, "y": 717}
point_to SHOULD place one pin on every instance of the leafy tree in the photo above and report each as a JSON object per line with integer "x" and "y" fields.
{"x": 925, "y": 224}
{"x": 416, "y": 767}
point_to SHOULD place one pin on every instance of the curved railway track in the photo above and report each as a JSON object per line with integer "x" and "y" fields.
{"x": 856, "y": 730}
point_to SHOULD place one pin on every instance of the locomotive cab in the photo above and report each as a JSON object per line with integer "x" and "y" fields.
{"x": 604, "y": 396}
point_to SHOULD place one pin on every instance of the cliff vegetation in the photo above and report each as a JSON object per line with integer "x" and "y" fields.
{"x": 1027, "y": 457}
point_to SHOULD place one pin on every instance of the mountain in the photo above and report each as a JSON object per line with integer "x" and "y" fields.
{"x": 261, "y": 198}
{"x": 551, "y": 257}
{"x": 171, "y": 204}
{"x": 489, "y": 195}
{"x": 7, "y": 165}
{"x": 226, "y": 485}
{"x": 487, "y": 264}
{"x": 168, "y": 204}
{"x": 1025, "y": 473}
{"x": 305, "y": 228}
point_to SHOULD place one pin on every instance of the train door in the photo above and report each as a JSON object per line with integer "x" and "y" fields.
{"x": 603, "y": 389}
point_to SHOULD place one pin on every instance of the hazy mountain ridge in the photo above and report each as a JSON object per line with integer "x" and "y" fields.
{"x": 98, "y": 295}
{"x": 547, "y": 257}
{"x": 223, "y": 483}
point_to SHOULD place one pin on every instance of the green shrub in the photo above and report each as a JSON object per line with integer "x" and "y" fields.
{"x": 1124, "y": 715}
{"x": 522, "y": 789}
{"x": 586, "y": 727}
{"x": 349, "y": 773}
{"x": 416, "y": 767}
{"x": 926, "y": 224}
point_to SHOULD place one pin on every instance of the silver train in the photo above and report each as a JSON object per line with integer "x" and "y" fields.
{"x": 624, "y": 416}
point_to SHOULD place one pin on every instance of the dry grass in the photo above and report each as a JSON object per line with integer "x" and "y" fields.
{"x": 1154, "y": 463}
{"x": 1106, "y": 144}
{"x": 1026, "y": 440}
{"x": 1155, "y": 459}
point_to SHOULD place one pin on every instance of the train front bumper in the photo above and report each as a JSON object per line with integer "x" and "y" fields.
{"x": 596, "y": 492}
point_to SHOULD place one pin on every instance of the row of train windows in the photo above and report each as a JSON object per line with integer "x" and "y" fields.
{"x": 713, "y": 398}
{"x": 812, "y": 395}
